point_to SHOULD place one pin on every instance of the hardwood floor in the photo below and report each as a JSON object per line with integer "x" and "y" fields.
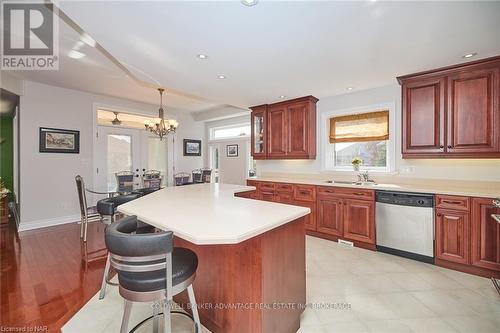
{"x": 44, "y": 280}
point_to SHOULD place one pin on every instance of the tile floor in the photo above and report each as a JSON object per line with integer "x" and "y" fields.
{"x": 353, "y": 290}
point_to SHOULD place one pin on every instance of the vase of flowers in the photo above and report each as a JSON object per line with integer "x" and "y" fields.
{"x": 356, "y": 163}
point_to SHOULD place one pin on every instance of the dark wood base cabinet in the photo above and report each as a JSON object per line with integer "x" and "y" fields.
{"x": 336, "y": 213}
{"x": 485, "y": 235}
{"x": 467, "y": 237}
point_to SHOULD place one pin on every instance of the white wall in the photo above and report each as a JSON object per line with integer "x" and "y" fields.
{"x": 48, "y": 191}
{"x": 233, "y": 170}
{"x": 466, "y": 169}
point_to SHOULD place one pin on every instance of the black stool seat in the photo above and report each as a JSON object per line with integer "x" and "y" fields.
{"x": 108, "y": 206}
{"x": 184, "y": 265}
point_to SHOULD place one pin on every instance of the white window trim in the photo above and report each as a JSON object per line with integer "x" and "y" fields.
{"x": 391, "y": 149}
{"x": 212, "y": 129}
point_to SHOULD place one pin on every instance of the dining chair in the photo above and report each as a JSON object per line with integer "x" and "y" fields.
{"x": 181, "y": 178}
{"x": 197, "y": 176}
{"x": 206, "y": 175}
{"x": 151, "y": 269}
{"x": 151, "y": 179}
{"x": 87, "y": 214}
{"x": 125, "y": 181}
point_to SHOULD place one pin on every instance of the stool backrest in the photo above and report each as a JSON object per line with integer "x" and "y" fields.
{"x": 107, "y": 207}
{"x": 134, "y": 252}
{"x": 121, "y": 240}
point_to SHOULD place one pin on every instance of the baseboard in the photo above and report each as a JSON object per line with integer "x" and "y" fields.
{"x": 36, "y": 224}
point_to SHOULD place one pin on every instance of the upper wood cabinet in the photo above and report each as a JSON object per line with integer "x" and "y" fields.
{"x": 288, "y": 130}
{"x": 453, "y": 112}
{"x": 258, "y": 121}
{"x": 423, "y": 119}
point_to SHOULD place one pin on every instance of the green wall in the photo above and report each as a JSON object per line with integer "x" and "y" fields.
{"x": 7, "y": 152}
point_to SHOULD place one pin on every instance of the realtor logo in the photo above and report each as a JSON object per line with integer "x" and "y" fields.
{"x": 29, "y": 35}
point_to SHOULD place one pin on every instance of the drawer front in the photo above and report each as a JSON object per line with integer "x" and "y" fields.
{"x": 284, "y": 188}
{"x": 304, "y": 192}
{"x": 452, "y": 202}
{"x": 284, "y": 197}
{"x": 347, "y": 192}
{"x": 267, "y": 187}
{"x": 252, "y": 183}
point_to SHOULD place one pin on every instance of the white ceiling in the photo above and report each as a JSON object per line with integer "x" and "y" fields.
{"x": 271, "y": 49}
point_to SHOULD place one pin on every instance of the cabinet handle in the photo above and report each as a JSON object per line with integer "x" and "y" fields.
{"x": 449, "y": 146}
{"x": 441, "y": 146}
{"x": 439, "y": 214}
{"x": 358, "y": 193}
{"x": 304, "y": 192}
{"x": 452, "y": 202}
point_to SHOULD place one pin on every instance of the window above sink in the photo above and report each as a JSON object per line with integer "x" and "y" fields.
{"x": 366, "y": 132}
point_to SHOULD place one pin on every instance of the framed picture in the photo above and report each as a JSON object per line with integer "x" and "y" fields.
{"x": 192, "y": 147}
{"x": 54, "y": 140}
{"x": 232, "y": 150}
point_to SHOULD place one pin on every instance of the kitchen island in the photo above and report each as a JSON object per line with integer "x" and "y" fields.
{"x": 251, "y": 273}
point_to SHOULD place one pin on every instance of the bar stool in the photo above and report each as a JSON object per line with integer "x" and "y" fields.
{"x": 150, "y": 269}
{"x": 107, "y": 209}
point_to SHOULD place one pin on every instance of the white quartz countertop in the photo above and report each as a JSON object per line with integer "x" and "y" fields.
{"x": 466, "y": 188}
{"x": 210, "y": 213}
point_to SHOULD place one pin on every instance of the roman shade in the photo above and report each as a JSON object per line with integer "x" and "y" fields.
{"x": 373, "y": 126}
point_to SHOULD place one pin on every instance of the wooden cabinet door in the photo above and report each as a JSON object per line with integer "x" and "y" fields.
{"x": 330, "y": 216}
{"x": 298, "y": 130}
{"x": 359, "y": 220}
{"x": 485, "y": 235}
{"x": 277, "y": 132}
{"x": 473, "y": 111}
{"x": 452, "y": 236}
{"x": 259, "y": 132}
{"x": 423, "y": 116}
{"x": 310, "y": 220}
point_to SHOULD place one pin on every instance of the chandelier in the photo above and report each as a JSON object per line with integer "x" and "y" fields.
{"x": 161, "y": 127}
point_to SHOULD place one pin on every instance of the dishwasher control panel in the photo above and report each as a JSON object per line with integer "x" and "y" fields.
{"x": 405, "y": 199}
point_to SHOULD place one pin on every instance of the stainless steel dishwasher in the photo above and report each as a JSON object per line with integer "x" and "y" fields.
{"x": 405, "y": 224}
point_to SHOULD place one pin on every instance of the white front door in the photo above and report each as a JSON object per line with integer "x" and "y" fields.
{"x": 127, "y": 149}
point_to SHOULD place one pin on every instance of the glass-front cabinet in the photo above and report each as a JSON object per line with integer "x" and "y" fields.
{"x": 259, "y": 114}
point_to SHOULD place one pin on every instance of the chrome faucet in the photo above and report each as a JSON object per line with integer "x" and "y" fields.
{"x": 364, "y": 177}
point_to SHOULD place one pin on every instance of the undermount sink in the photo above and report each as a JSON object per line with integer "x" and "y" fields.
{"x": 349, "y": 182}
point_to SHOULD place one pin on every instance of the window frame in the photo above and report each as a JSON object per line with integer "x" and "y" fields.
{"x": 391, "y": 142}
{"x": 211, "y": 132}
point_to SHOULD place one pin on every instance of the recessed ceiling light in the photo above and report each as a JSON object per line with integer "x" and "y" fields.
{"x": 469, "y": 55}
{"x": 202, "y": 56}
{"x": 249, "y": 2}
{"x": 350, "y": 88}
{"x": 282, "y": 96}
{"x": 221, "y": 77}
{"x": 75, "y": 54}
